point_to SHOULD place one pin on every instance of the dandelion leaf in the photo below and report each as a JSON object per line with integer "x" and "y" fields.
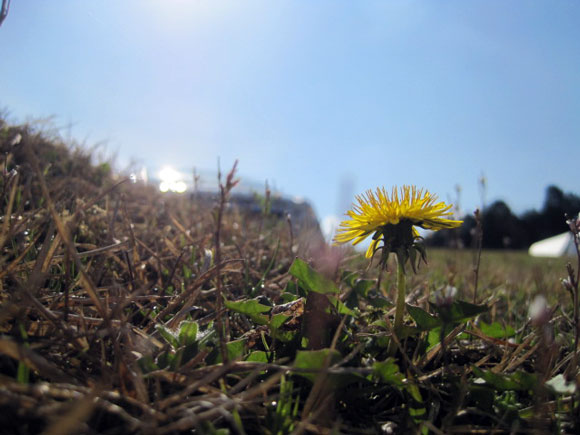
{"x": 311, "y": 280}
{"x": 251, "y": 308}
{"x": 423, "y": 319}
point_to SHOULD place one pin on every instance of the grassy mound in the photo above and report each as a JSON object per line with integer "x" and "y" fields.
{"x": 127, "y": 311}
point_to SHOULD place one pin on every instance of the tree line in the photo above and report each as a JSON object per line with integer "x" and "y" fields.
{"x": 502, "y": 229}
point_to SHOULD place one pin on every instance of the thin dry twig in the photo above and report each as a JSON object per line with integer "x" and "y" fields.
{"x": 224, "y": 192}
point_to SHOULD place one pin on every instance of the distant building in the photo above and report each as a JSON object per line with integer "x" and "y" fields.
{"x": 246, "y": 196}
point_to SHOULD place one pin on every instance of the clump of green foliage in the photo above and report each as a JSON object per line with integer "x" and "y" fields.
{"x": 127, "y": 311}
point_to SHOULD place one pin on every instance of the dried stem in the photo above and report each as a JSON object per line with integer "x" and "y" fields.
{"x": 224, "y": 191}
{"x": 478, "y": 249}
{"x": 4, "y": 10}
{"x": 289, "y": 221}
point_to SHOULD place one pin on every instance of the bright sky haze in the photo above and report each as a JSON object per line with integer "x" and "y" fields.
{"x": 316, "y": 97}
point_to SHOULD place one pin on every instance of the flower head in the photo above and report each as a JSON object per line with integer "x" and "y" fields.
{"x": 393, "y": 220}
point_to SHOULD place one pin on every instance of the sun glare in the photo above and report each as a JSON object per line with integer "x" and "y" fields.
{"x": 171, "y": 180}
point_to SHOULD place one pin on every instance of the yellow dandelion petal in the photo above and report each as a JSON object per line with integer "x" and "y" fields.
{"x": 376, "y": 210}
{"x": 372, "y": 248}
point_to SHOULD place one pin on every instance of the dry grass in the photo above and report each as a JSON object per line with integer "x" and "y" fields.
{"x": 101, "y": 279}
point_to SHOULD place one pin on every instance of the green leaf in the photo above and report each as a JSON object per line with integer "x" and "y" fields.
{"x": 416, "y": 409}
{"x": 349, "y": 278}
{"x": 408, "y": 331}
{"x": 413, "y": 390}
{"x": 461, "y": 311}
{"x": 388, "y": 372}
{"x": 189, "y": 351}
{"x": 168, "y": 335}
{"x": 23, "y": 373}
{"x": 310, "y": 279}
{"x": 278, "y": 320}
{"x": 381, "y": 323}
{"x": 405, "y": 332}
{"x": 188, "y": 333}
{"x": 146, "y": 364}
{"x": 286, "y": 408}
{"x": 165, "y": 360}
{"x": 314, "y": 360}
{"x": 287, "y": 297}
{"x": 207, "y": 337}
{"x": 497, "y": 330}
{"x": 433, "y": 338}
{"x": 235, "y": 350}
{"x": 518, "y": 381}
{"x": 284, "y": 336}
{"x": 379, "y": 302}
{"x": 208, "y": 428}
{"x": 340, "y": 307}
{"x": 424, "y": 320}
{"x": 363, "y": 286}
{"x": 434, "y": 335}
{"x": 458, "y": 311}
{"x": 291, "y": 288}
{"x": 251, "y": 308}
{"x": 258, "y": 356}
{"x": 176, "y": 360}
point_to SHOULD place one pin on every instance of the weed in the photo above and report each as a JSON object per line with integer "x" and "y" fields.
{"x": 127, "y": 311}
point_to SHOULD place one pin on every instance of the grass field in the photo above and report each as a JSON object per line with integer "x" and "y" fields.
{"x": 125, "y": 311}
{"x": 506, "y": 272}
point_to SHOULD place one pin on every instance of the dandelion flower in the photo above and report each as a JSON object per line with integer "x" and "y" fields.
{"x": 393, "y": 220}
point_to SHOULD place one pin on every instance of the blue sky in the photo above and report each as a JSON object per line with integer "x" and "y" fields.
{"x": 313, "y": 95}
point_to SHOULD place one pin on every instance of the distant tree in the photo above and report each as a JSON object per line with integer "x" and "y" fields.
{"x": 467, "y": 230}
{"x": 554, "y": 198}
{"x": 534, "y": 227}
{"x": 503, "y": 229}
{"x": 551, "y": 220}
{"x": 456, "y": 238}
{"x": 4, "y": 10}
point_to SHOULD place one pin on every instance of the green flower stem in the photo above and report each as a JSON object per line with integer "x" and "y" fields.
{"x": 401, "y": 291}
{"x": 400, "y": 311}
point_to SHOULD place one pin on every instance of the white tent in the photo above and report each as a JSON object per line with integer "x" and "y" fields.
{"x": 556, "y": 246}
